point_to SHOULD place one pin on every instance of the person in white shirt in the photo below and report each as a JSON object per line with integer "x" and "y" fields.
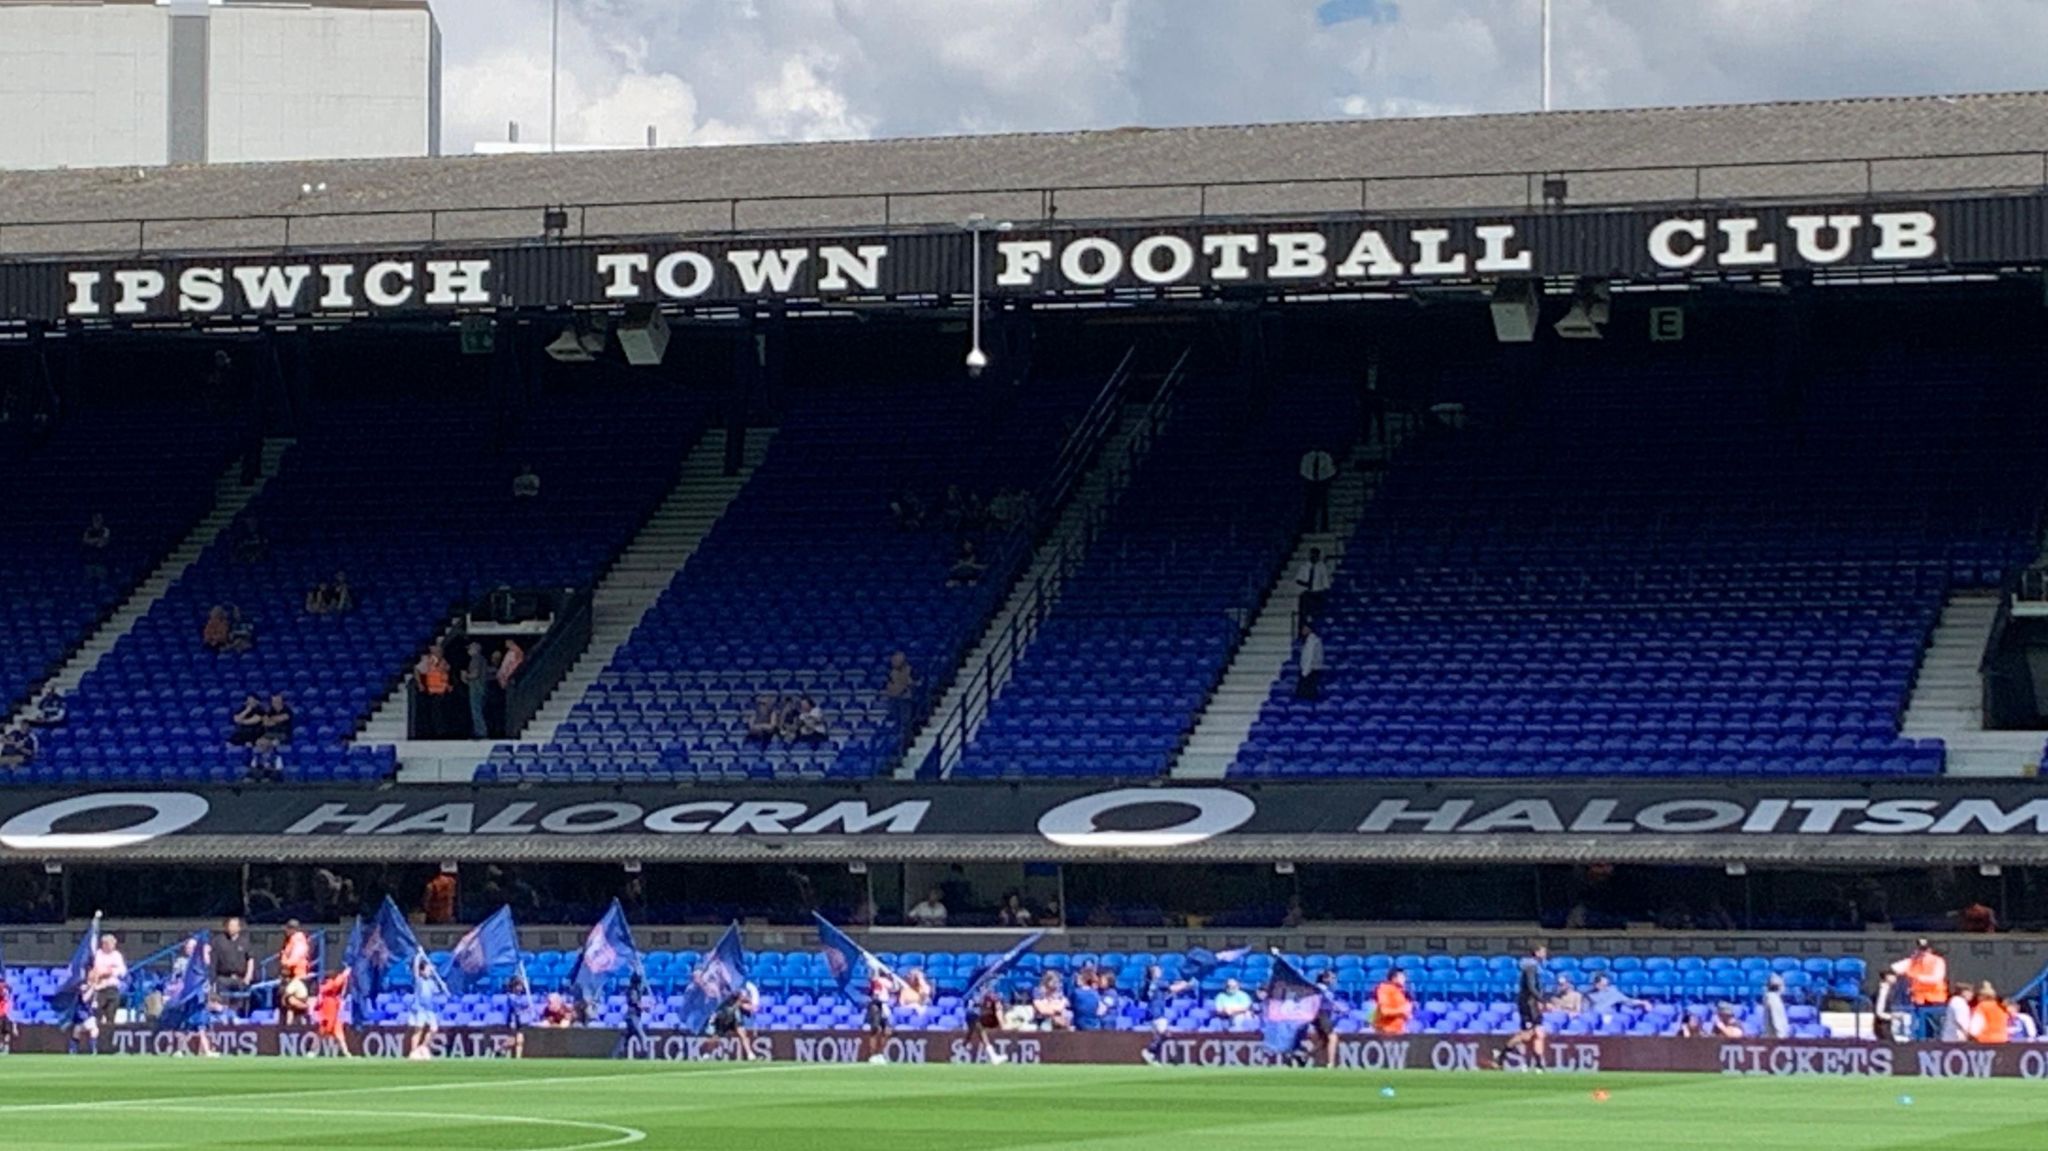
{"x": 1310, "y": 684}
{"x": 104, "y": 978}
{"x": 1232, "y": 1003}
{"x": 1777, "y": 1023}
{"x": 1314, "y": 582}
{"x": 931, "y": 912}
{"x": 1961, "y": 1018}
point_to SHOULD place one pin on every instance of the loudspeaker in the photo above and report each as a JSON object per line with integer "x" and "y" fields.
{"x": 1517, "y": 306}
{"x": 643, "y": 335}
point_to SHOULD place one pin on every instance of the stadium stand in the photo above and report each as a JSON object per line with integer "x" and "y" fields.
{"x": 1463, "y": 994}
{"x": 148, "y": 468}
{"x": 1671, "y": 571}
{"x": 400, "y": 495}
{"x": 807, "y": 585}
{"x": 1141, "y": 632}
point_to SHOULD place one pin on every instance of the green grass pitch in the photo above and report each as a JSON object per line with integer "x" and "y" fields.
{"x": 143, "y": 1104}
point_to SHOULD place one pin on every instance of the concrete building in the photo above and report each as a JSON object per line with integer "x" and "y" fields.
{"x": 95, "y": 83}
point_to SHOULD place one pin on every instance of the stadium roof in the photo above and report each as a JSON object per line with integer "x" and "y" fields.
{"x": 1835, "y": 149}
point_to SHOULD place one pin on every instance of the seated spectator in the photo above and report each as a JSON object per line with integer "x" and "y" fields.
{"x": 1093, "y": 1007}
{"x": 1567, "y": 997}
{"x": 916, "y": 990}
{"x": 266, "y": 761}
{"x": 929, "y": 912}
{"x": 1689, "y": 1027}
{"x": 556, "y": 1012}
{"x": 906, "y": 510}
{"x": 317, "y": 600}
{"x": 1014, "y": 913}
{"x": 1232, "y": 1003}
{"x": 217, "y": 631}
{"x": 19, "y": 746}
{"x": 1725, "y": 1025}
{"x": 248, "y": 722}
{"x": 51, "y": 709}
{"x": 1393, "y": 1008}
{"x": 967, "y": 568}
{"x": 1977, "y": 919}
{"x": 811, "y": 722}
{"x": 763, "y": 723}
{"x": 902, "y": 680}
{"x": 241, "y": 633}
{"x": 277, "y": 719}
{"x": 1050, "y": 1010}
{"x": 341, "y": 598}
{"x": 1607, "y": 999}
{"x": 526, "y": 485}
{"x": 250, "y": 544}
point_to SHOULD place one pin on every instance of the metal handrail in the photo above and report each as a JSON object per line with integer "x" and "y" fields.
{"x": 889, "y": 216}
{"x": 988, "y": 679}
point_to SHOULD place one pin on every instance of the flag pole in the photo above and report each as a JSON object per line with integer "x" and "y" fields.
{"x": 1546, "y": 55}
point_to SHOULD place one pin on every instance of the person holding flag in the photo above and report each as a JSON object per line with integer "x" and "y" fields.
{"x": 188, "y": 994}
{"x": 424, "y": 1020}
{"x": 608, "y": 950}
{"x": 865, "y": 980}
{"x": 984, "y": 997}
{"x": 734, "y": 1018}
{"x": 717, "y": 979}
{"x": 1292, "y": 1002}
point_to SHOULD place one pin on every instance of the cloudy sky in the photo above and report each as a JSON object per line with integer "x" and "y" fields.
{"x": 704, "y": 71}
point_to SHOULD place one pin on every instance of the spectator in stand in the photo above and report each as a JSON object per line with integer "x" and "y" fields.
{"x": 526, "y": 485}
{"x": 508, "y": 666}
{"x": 1050, "y": 1010}
{"x": 241, "y": 633}
{"x": 1314, "y": 582}
{"x": 1567, "y": 997}
{"x": 277, "y": 719}
{"x": 437, "y": 691}
{"x": 1392, "y": 1007}
{"x": 1991, "y": 1022}
{"x": 763, "y": 724}
{"x": 1960, "y": 1015}
{"x": 1014, "y": 913}
{"x": 916, "y": 992}
{"x": 1606, "y": 999}
{"x": 437, "y": 902}
{"x": 1977, "y": 919}
{"x": 1777, "y": 1021}
{"x": 103, "y": 980}
{"x": 9, "y": 1032}
{"x": 930, "y": 912}
{"x": 95, "y": 541}
{"x": 19, "y": 746}
{"x": 266, "y": 761}
{"x": 318, "y": 599}
{"x": 811, "y": 722}
{"x": 967, "y": 568}
{"x": 1232, "y": 1004}
{"x": 1093, "y": 1009}
{"x": 248, "y": 722}
{"x": 216, "y": 633}
{"x": 1725, "y": 1025}
{"x": 341, "y": 598}
{"x": 556, "y": 1012}
{"x": 1925, "y": 973}
{"x": 51, "y": 709}
{"x": 1309, "y": 685}
{"x": 476, "y": 678}
{"x": 900, "y": 690}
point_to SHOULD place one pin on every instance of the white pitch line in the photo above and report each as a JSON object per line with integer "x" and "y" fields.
{"x": 621, "y": 1135}
{"x": 451, "y": 1085}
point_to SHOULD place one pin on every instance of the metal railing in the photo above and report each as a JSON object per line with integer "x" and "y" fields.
{"x": 1391, "y": 194}
{"x": 985, "y": 681}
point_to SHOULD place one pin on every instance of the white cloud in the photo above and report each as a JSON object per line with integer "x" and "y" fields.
{"x": 732, "y": 70}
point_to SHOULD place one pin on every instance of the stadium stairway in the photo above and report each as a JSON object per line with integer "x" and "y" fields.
{"x": 1262, "y": 654}
{"x": 231, "y": 495}
{"x": 1039, "y": 585}
{"x": 643, "y": 571}
{"x": 1948, "y": 695}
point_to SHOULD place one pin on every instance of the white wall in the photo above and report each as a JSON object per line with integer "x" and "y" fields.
{"x": 83, "y": 86}
{"x": 293, "y": 83}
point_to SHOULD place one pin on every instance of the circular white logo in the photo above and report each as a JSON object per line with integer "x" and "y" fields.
{"x": 1072, "y": 824}
{"x": 170, "y": 811}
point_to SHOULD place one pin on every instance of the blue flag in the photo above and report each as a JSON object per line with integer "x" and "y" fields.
{"x": 1292, "y": 1003}
{"x": 72, "y": 986}
{"x": 850, "y": 964}
{"x": 986, "y": 976}
{"x": 490, "y": 947}
{"x": 607, "y": 951}
{"x": 191, "y": 978}
{"x": 375, "y": 947}
{"x": 718, "y": 976}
